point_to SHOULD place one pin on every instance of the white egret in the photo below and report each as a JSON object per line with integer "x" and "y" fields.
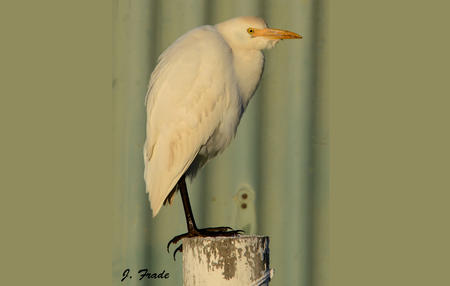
{"x": 197, "y": 94}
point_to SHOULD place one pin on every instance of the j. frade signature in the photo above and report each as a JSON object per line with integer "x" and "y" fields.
{"x": 144, "y": 273}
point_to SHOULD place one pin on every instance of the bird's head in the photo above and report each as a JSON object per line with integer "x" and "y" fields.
{"x": 252, "y": 33}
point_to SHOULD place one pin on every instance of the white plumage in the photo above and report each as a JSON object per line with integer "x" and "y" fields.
{"x": 197, "y": 94}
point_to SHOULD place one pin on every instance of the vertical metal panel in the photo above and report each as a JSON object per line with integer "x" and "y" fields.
{"x": 320, "y": 184}
{"x": 280, "y": 151}
{"x": 129, "y": 80}
{"x": 285, "y": 140}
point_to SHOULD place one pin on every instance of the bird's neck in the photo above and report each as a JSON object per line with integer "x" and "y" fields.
{"x": 248, "y": 66}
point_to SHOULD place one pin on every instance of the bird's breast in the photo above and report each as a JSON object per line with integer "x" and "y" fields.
{"x": 226, "y": 129}
{"x": 248, "y": 66}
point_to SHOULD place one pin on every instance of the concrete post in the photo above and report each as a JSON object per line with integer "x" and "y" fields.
{"x": 242, "y": 260}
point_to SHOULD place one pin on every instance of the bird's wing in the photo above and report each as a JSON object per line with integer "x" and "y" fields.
{"x": 189, "y": 91}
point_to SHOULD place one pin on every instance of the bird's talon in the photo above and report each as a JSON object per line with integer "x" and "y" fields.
{"x": 168, "y": 245}
{"x": 205, "y": 232}
{"x": 180, "y": 249}
{"x": 216, "y": 229}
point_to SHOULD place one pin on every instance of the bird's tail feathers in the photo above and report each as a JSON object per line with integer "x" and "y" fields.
{"x": 160, "y": 179}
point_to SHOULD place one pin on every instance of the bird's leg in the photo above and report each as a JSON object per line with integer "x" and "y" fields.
{"x": 190, "y": 222}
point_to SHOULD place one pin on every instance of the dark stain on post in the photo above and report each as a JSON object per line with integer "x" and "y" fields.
{"x": 222, "y": 254}
{"x": 225, "y": 250}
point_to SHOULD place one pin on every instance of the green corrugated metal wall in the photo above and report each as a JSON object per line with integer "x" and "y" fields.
{"x": 279, "y": 157}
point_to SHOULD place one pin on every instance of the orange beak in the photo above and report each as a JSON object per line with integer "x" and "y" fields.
{"x": 276, "y": 34}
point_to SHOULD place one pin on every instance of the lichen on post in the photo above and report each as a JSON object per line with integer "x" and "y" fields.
{"x": 242, "y": 260}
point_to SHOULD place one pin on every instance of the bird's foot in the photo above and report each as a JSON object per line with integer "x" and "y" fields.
{"x": 204, "y": 232}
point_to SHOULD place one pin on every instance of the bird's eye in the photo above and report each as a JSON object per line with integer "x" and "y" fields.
{"x": 250, "y": 30}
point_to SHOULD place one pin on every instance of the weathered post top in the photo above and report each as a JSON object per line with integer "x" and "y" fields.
{"x": 242, "y": 260}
